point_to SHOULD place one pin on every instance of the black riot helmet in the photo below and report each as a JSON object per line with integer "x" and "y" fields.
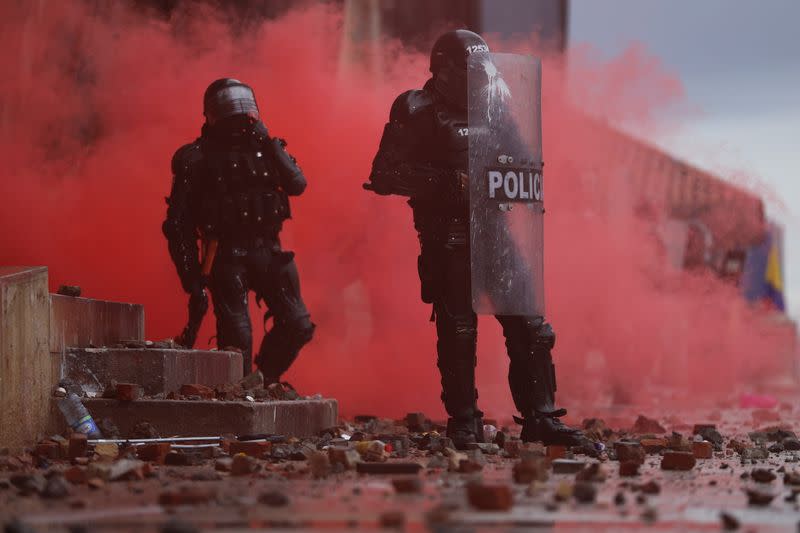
{"x": 228, "y": 97}
{"x": 449, "y": 64}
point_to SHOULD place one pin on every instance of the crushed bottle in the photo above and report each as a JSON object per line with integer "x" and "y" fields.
{"x": 77, "y": 416}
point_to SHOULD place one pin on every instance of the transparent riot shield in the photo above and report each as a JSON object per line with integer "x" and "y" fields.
{"x": 506, "y": 193}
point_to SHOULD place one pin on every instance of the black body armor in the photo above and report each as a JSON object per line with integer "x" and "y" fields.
{"x": 232, "y": 186}
{"x": 423, "y": 155}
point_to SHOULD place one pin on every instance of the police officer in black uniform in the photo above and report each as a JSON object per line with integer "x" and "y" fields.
{"x": 231, "y": 191}
{"x": 423, "y": 155}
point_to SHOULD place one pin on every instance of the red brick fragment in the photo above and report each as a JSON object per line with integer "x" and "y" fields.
{"x": 251, "y": 448}
{"x": 78, "y": 445}
{"x": 155, "y": 452}
{"x": 75, "y": 475}
{"x": 195, "y": 389}
{"x": 678, "y": 461}
{"x": 490, "y": 497}
{"x": 129, "y": 392}
{"x": 653, "y": 445}
{"x": 556, "y": 452}
{"x": 48, "y": 450}
{"x": 702, "y": 450}
{"x": 629, "y": 468}
{"x": 629, "y": 451}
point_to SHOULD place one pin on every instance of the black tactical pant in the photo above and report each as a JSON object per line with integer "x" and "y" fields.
{"x": 529, "y": 341}
{"x": 272, "y": 275}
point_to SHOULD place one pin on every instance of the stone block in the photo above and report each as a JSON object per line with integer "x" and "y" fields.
{"x": 156, "y": 370}
{"x": 300, "y": 418}
{"x": 85, "y": 322}
{"x": 26, "y": 372}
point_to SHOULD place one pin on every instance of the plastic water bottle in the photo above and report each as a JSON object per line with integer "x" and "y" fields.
{"x": 78, "y": 417}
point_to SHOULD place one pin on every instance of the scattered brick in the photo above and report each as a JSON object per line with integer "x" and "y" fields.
{"x": 762, "y": 475}
{"x": 490, "y": 497}
{"x": 531, "y": 469}
{"x": 243, "y": 465}
{"x": 556, "y": 452}
{"x": 702, "y": 449}
{"x": 76, "y": 475}
{"x": 345, "y": 456}
{"x": 759, "y": 497}
{"x": 319, "y": 464}
{"x": 629, "y": 452}
{"x": 567, "y": 466}
{"x": 78, "y": 445}
{"x": 48, "y": 450}
{"x": 653, "y": 445}
{"x": 629, "y": 468}
{"x": 129, "y": 392}
{"x": 593, "y": 472}
{"x": 155, "y": 452}
{"x": 251, "y": 448}
{"x": 195, "y": 389}
{"x": 673, "y": 460}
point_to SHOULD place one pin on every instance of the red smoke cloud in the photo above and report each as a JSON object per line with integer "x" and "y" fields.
{"x": 94, "y": 104}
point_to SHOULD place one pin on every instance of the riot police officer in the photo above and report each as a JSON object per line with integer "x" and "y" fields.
{"x": 423, "y": 155}
{"x": 231, "y": 191}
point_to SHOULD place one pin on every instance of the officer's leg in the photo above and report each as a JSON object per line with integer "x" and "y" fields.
{"x": 532, "y": 379}
{"x": 292, "y": 327}
{"x": 456, "y": 327}
{"x": 229, "y": 294}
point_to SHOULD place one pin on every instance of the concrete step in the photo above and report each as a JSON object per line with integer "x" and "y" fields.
{"x": 85, "y": 322}
{"x": 299, "y": 418}
{"x": 156, "y": 370}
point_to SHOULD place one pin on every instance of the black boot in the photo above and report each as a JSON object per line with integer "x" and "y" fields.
{"x": 532, "y": 378}
{"x": 548, "y": 429}
{"x": 464, "y": 431}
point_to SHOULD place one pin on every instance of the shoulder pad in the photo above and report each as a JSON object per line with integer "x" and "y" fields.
{"x": 410, "y": 104}
{"x": 186, "y": 156}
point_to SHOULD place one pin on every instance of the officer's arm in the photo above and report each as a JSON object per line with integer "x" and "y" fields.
{"x": 395, "y": 170}
{"x": 291, "y": 176}
{"x": 179, "y": 228}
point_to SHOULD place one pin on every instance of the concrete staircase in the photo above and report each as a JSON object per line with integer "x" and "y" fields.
{"x": 45, "y": 338}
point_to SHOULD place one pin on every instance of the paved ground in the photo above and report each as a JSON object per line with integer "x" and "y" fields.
{"x": 295, "y": 486}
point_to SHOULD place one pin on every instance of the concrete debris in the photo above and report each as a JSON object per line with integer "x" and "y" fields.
{"x": 644, "y": 426}
{"x": 759, "y": 497}
{"x": 762, "y": 475}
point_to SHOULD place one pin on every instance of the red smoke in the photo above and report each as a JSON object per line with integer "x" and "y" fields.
{"x": 93, "y": 105}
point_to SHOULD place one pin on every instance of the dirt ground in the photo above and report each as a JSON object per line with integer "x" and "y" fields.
{"x": 750, "y": 482}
